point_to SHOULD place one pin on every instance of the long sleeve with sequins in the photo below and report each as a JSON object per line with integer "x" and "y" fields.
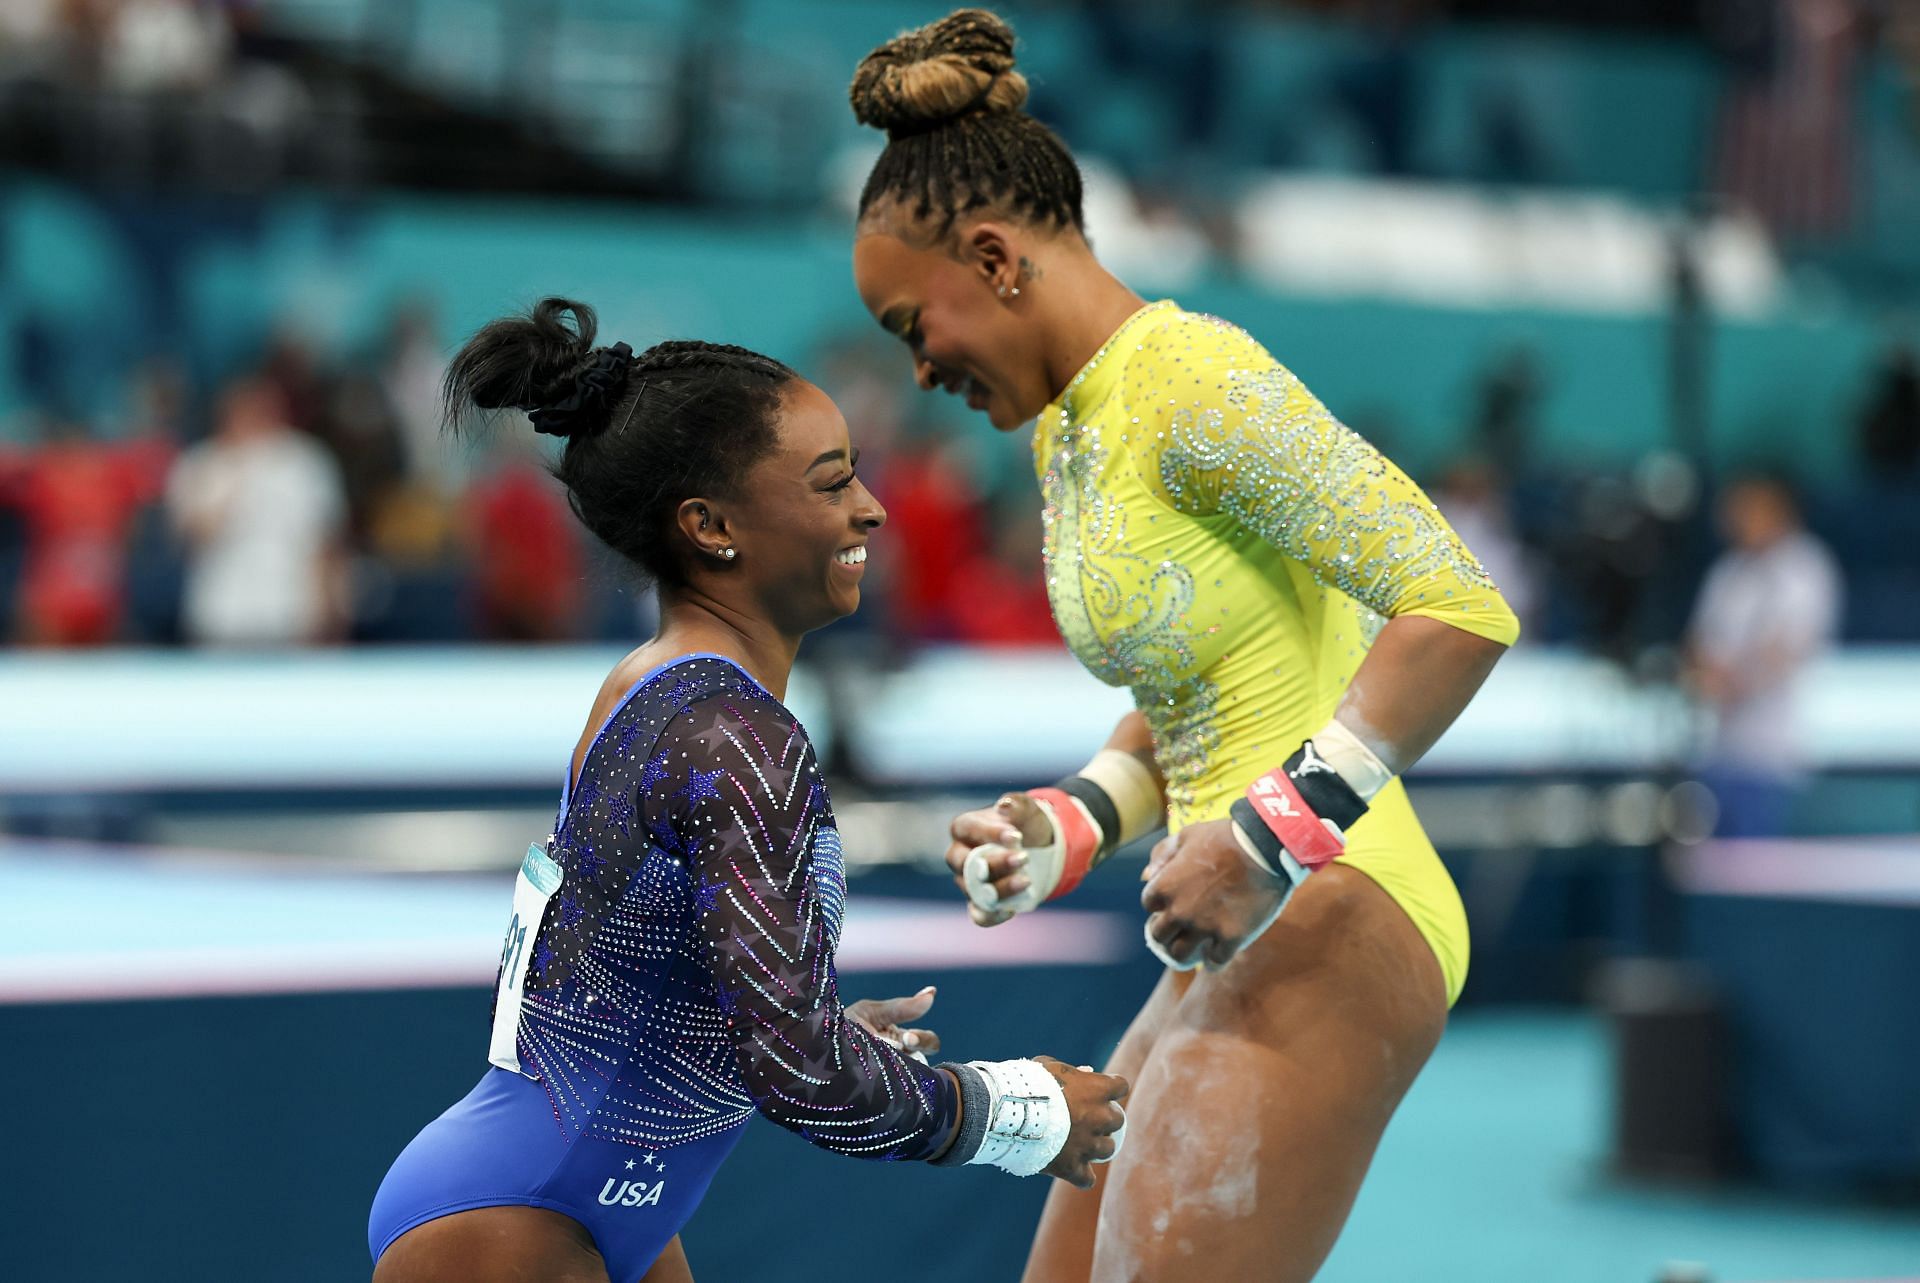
{"x": 746, "y": 804}
{"x": 1237, "y": 435}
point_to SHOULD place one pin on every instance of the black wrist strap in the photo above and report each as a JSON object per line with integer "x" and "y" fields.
{"x": 1324, "y": 789}
{"x": 1099, "y": 806}
{"x": 1248, "y": 821}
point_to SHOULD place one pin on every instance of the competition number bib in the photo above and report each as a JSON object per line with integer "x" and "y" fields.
{"x": 539, "y": 879}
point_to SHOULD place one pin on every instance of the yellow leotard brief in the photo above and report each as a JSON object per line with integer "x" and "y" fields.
{"x": 1220, "y": 544}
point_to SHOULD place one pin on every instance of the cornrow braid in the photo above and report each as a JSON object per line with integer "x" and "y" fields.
{"x": 683, "y": 354}
{"x": 682, "y": 419}
{"x": 957, "y": 140}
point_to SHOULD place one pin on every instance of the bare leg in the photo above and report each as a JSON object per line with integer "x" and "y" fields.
{"x": 496, "y": 1245}
{"x": 1063, "y": 1245}
{"x": 1258, "y": 1110}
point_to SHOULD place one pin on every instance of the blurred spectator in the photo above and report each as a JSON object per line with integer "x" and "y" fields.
{"x": 1507, "y": 409}
{"x": 1770, "y": 606}
{"x": 1003, "y": 584}
{"x": 528, "y": 572}
{"x": 1472, "y": 496}
{"x": 1890, "y": 427}
{"x": 262, "y": 511}
{"x": 934, "y": 529}
{"x": 77, "y": 500}
{"x": 410, "y": 369}
{"x": 294, "y": 371}
{"x": 357, "y": 425}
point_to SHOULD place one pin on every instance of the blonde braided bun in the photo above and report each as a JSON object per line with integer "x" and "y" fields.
{"x": 924, "y": 78}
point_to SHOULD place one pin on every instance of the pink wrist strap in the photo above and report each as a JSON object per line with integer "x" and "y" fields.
{"x": 1077, "y": 837}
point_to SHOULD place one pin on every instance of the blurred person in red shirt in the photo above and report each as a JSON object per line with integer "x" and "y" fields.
{"x": 528, "y": 570}
{"x": 1004, "y": 587}
{"x": 935, "y": 521}
{"x": 77, "y": 499}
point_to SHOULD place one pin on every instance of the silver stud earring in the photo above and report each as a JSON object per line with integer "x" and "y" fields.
{"x": 1016, "y": 291}
{"x": 1002, "y": 291}
{"x": 727, "y": 553}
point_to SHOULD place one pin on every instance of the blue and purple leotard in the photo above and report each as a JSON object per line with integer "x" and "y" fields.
{"x": 680, "y": 979}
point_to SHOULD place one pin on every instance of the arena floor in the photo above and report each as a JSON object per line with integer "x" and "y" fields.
{"x": 1494, "y": 1170}
{"x": 301, "y": 1023}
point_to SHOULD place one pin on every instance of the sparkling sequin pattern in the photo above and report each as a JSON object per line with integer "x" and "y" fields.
{"x": 683, "y": 976}
{"x": 1218, "y": 542}
{"x": 1312, "y": 488}
{"x": 1124, "y": 615}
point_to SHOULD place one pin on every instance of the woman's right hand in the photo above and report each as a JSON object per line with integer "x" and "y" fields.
{"x": 1000, "y": 833}
{"x": 1093, "y": 1102}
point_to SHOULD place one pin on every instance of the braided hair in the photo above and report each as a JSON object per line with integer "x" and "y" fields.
{"x": 643, "y": 432}
{"x": 957, "y": 140}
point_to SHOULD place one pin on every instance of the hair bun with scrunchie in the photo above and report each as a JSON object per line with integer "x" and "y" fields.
{"x": 583, "y": 411}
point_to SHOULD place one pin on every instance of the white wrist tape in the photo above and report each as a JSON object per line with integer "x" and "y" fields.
{"x": 1357, "y": 764}
{"x": 1027, "y": 1116}
{"x": 1135, "y": 793}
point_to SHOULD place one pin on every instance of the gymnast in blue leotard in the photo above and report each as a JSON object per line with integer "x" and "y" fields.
{"x": 667, "y": 970}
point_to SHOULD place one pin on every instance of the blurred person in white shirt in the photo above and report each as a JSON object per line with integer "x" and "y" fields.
{"x": 262, "y": 512}
{"x": 1769, "y": 607}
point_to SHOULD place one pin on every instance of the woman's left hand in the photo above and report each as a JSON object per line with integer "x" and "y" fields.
{"x": 1206, "y": 899}
{"x": 885, "y": 1019}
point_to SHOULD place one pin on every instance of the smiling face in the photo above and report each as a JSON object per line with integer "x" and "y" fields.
{"x": 962, "y": 334}
{"x": 804, "y": 517}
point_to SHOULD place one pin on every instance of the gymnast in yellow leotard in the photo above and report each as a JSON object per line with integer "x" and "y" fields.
{"x": 1297, "y": 625}
{"x": 1219, "y": 543}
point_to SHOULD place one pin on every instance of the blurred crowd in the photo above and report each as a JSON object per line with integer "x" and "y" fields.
{"x": 309, "y": 500}
{"x": 306, "y": 497}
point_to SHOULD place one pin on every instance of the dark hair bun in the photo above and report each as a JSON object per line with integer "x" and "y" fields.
{"x": 523, "y": 361}
{"x": 643, "y": 432}
{"x": 923, "y": 78}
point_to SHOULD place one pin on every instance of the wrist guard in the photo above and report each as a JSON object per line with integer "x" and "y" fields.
{"x": 1079, "y": 839}
{"x": 1297, "y": 816}
{"x": 1013, "y": 1116}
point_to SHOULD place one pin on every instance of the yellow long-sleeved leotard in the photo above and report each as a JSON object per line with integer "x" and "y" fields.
{"x": 1220, "y": 544}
